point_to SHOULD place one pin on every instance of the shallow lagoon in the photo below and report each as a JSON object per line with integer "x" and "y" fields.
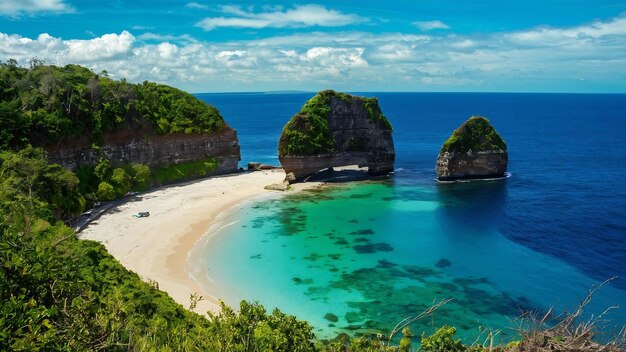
{"x": 372, "y": 253}
{"x": 368, "y": 252}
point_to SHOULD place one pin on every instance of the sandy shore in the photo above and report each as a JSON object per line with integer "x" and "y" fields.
{"x": 157, "y": 247}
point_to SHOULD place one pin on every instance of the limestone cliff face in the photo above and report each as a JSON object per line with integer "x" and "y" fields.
{"x": 474, "y": 151}
{"x": 336, "y": 129}
{"x": 146, "y": 147}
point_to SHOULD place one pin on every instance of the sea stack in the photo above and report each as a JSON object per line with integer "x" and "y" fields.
{"x": 474, "y": 151}
{"x": 336, "y": 129}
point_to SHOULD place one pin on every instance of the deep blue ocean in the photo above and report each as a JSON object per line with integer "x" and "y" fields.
{"x": 358, "y": 257}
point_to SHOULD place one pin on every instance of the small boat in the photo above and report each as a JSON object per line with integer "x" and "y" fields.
{"x": 142, "y": 214}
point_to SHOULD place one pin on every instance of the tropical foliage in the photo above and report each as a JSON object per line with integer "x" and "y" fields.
{"x": 308, "y": 132}
{"x": 61, "y": 293}
{"x": 45, "y": 104}
{"x": 475, "y": 134}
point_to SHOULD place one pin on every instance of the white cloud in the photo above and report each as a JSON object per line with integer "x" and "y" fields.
{"x": 328, "y": 56}
{"x": 138, "y": 27}
{"x": 350, "y": 60}
{"x": 584, "y": 33}
{"x": 430, "y": 25}
{"x": 195, "y": 5}
{"x": 57, "y": 50}
{"x": 149, "y": 36}
{"x": 167, "y": 50}
{"x": 105, "y": 47}
{"x": 395, "y": 52}
{"x": 465, "y": 43}
{"x": 298, "y": 16}
{"x": 30, "y": 7}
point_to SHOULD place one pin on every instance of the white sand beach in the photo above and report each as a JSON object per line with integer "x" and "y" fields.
{"x": 157, "y": 247}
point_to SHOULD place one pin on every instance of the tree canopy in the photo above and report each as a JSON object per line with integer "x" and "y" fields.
{"x": 475, "y": 134}
{"x": 308, "y": 132}
{"x": 45, "y": 104}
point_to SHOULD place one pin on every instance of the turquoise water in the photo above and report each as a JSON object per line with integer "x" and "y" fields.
{"x": 542, "y": 237}
{"x": 374, "y": 253}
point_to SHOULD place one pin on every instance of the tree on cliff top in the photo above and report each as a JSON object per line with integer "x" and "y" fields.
{"x": 46, "y": 104}
{"x": 475, "y": 134}
{"x": 308, "y": 132}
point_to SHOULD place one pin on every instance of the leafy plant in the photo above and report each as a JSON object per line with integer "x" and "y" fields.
{"x": 475, "y": 134}
{"x": 442, "y": 340}
{"x": 163, "y": 174}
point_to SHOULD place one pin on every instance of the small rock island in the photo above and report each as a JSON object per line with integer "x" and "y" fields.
{"x": 474, "y": 151}
{"x": 336, "y": 129}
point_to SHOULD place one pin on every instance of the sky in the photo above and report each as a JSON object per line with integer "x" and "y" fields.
{"x": 393, "y": 45}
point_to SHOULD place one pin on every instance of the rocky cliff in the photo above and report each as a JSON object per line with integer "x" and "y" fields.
{"x": 78, "y": 116}
{"x": 147, "y": 147}
{"x": 337, "y": 129}
{"x": 474, "y": 151}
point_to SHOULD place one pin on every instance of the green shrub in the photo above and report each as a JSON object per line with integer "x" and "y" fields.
{"x": 442, "y": 340}
{"x": 27, "y": 172}
{"x": 141, "y": 177}
{"x": 104, "y": 183}
{"x": 121, "y": 181}
{"x": 164, "y": 174}
{"x": 475, "y": 134}
{"x": 106, "y": 192}
{"x": 103, "y": 169}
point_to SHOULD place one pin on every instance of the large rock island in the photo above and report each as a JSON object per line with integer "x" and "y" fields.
{"x": 474, "y": 151}
{"x": 337, "y": 129}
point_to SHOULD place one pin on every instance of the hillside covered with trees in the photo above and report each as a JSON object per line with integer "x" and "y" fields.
{"x": 45, "y": 104}
{"x": 61, "y": 293}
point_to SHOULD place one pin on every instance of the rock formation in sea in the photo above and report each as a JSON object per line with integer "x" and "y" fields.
{"x": 336, "y": 129}
{"x": 474, "y": 151}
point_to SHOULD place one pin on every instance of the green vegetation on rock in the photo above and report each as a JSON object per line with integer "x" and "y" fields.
{"x": 47, "y": 104}
{"x": 105, "y": 183}
{"x": 169, "y": 173}
{"x": 308, "y": 132}
{"x": 475, "y": 134}
{"x": 26, "y": 172}
{"x": 376, "y": 115}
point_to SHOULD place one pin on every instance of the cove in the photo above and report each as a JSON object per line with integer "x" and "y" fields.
{"x": 357, "y": 258}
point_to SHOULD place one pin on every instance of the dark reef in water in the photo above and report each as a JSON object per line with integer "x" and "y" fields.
{"x": 443, "y": 263}
{"x": 372, "y": 248}
{"x": 408, "y": 288}
{"x": 363, "y": 232}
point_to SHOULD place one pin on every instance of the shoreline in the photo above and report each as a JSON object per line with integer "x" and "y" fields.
{"x": 161, "y": 247}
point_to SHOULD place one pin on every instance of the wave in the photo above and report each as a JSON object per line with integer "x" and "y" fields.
{"x": 506, "y": 175}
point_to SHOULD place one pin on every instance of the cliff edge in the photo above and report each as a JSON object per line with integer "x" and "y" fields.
{"x": 80, "y": 117}
{"x": 337, "y": 129}
{"x": 474, "y": 151}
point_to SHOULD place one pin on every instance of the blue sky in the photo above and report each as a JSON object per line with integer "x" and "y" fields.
{"x": 425, "y": 45}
